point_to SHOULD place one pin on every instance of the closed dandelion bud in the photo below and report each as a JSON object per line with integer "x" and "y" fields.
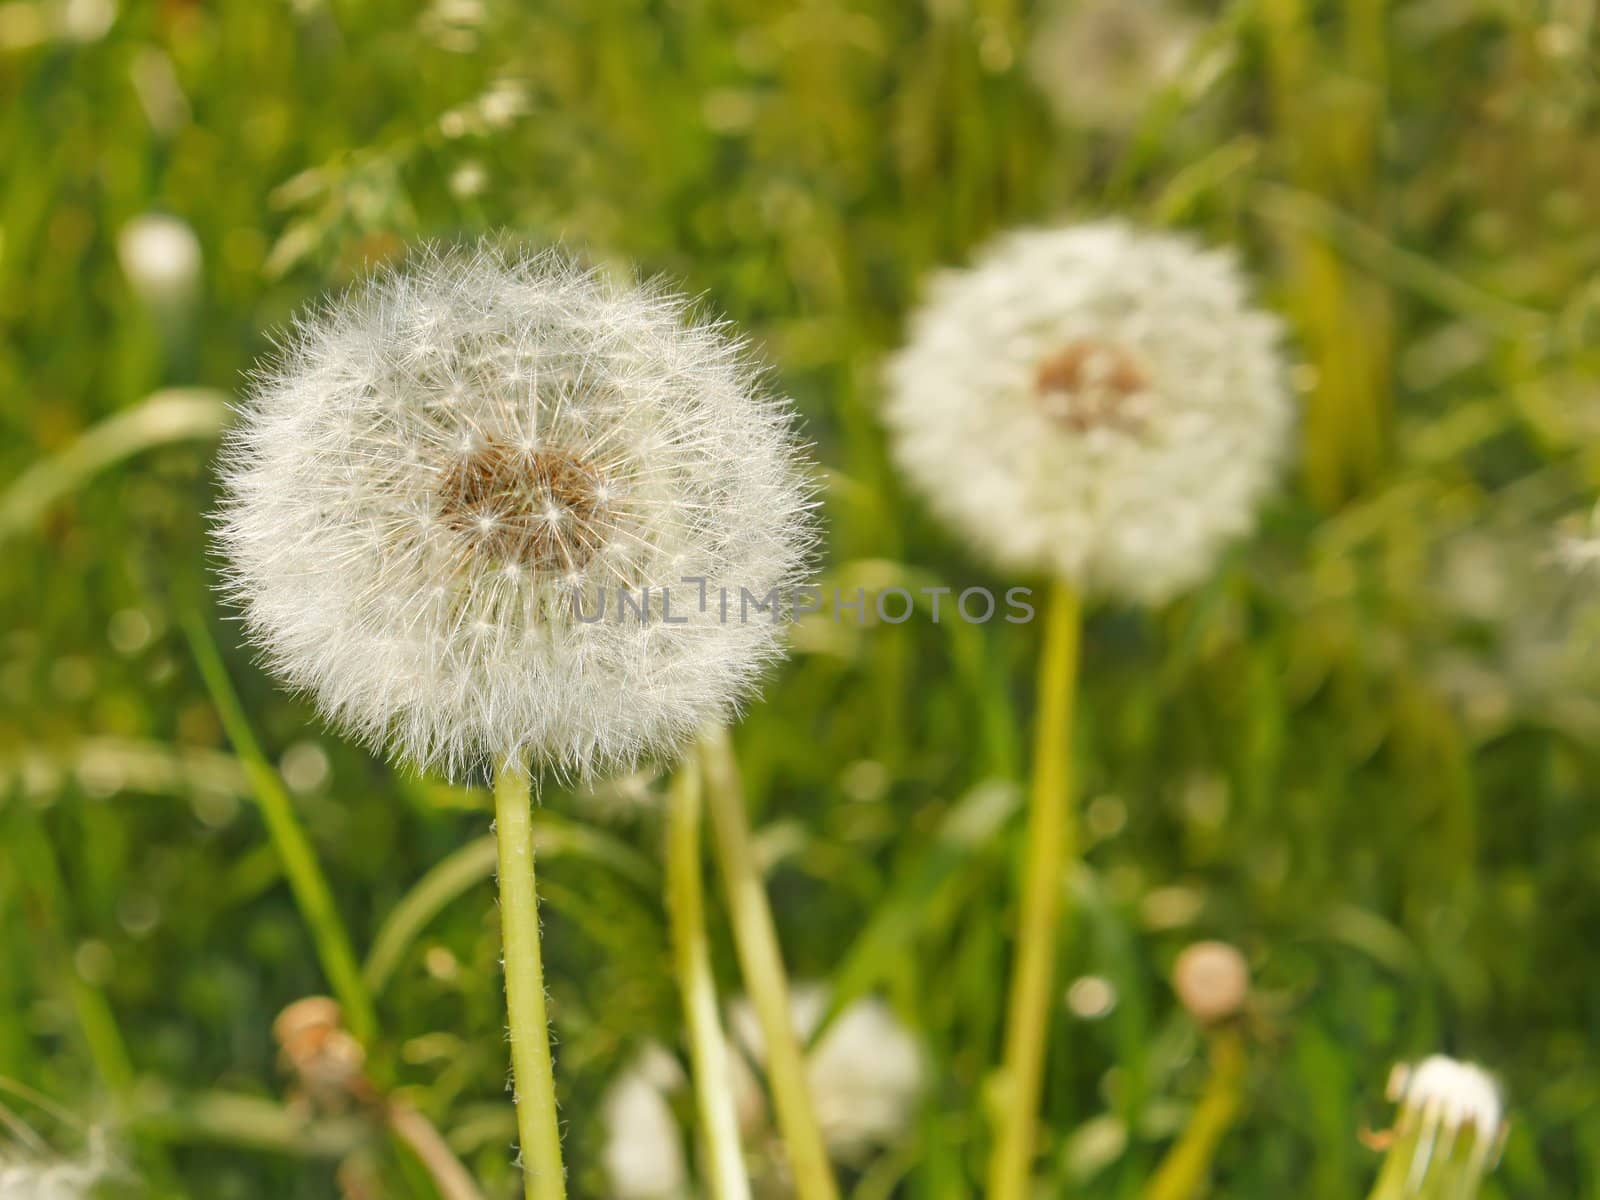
{"x": 1212, "y": 981}
{"x": 1096, "y": 402}
{"x": 1447, "y": 1135}
{"x": 463, "y": 503}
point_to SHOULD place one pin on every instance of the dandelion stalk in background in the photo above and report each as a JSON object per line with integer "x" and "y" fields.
{"x": 708, "y": 1049}
{"x": 1212, "y": 980}
{"x": 1050, "y": 838}
{"x": 761, "y": 963}
{"x": 1103, "y": 407}
{"x": 1448, "y": 1135}
{"x": 433, "y": 496}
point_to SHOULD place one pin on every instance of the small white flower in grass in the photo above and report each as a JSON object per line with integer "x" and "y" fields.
{"x": 161, "y": 257}
{"x": 25, "y": 1175}
{"x": 865, "y": 1073}
{"x": 448, "y": 469}
{"x": 1095, "y": 402}
{"x": 643, "y": 1156}
{"x": 1449, "y": 1132}
{"x": 1579, "y": 551}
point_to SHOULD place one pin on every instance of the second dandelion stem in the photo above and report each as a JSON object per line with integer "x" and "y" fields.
{"x": 1050, "y": 837}
{"x": 692, "y": 958}
{"x": 532, "y": 1073}
{"x": 761, "y": 963}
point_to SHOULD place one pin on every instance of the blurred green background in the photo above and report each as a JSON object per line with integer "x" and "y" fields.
{"x": 1365, "y": 753}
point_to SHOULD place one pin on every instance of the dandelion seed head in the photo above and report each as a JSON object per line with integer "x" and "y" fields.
{"x": 1102, "y": 62}
{"x": 1450, "y": 1111}
{"x": 445, "y": 468}
{"x": 1095, "y": 402}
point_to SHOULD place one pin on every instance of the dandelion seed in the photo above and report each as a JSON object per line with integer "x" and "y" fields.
{"x": 406, "y": 530}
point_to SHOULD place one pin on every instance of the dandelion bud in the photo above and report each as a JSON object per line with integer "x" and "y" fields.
{"x": 1212, "y": 980}
{"x": 463, "y": 504}
{"x": 1097, "y": 403}
{"x": 161, "y": 257}
{"x": 1448, "y": 1133}
{"x": 326, "y": 1061}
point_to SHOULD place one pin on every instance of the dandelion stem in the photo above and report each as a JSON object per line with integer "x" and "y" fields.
{"x": 306, "y": 880}
{"x": 533, "y": 1077}
{"x": 692, "y": 958}
{"x": 1182, "y": 1174}
{"x": 1050, "y": 837}
{"x": 760, "y": 961}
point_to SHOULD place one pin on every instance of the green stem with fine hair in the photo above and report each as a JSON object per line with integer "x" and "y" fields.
{"x": 1182, "y": 1174}
{"x": 1050, "y": 838}
{"x": 532, "y": 1072}
{"x": 708, "y": 1050}
{"x": 300, "y": 866}
{"x": 761, "y": 963}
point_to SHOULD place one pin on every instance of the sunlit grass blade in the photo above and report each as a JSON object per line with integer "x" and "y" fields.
{"x": 300, "y": 865}
{"x": 181, "y": 414}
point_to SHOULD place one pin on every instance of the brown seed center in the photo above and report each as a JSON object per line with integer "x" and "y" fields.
{"x": 543, "y": 509}
{"x": 1088, "y": 385}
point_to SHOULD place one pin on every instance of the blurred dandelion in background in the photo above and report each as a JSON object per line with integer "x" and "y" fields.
{"x": 1448, "y": 1134}
{"x": 31, "y": 1169}
{"x": 1099, "y": 403}
{"x": 1105, "y": 406}
{"x": 161, "y": 259}
{"x": 866, "y": 1074}
{"x": 1100, "y": 62}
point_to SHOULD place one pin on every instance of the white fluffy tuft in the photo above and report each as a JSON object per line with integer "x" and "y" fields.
{"x": 1096, "y": 402}
{"x": 440, "y": 460}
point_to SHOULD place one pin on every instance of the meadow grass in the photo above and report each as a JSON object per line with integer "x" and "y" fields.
{"x": 1364, "y": 753}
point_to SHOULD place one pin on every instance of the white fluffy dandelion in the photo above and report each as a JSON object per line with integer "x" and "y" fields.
{"x": 1449, "y": 1132}
{"x": 450, "y": 496}
{"x": 1096, "y": 402}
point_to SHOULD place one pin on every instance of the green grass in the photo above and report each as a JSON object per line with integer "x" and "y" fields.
{"x": 1365, "y": 752}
